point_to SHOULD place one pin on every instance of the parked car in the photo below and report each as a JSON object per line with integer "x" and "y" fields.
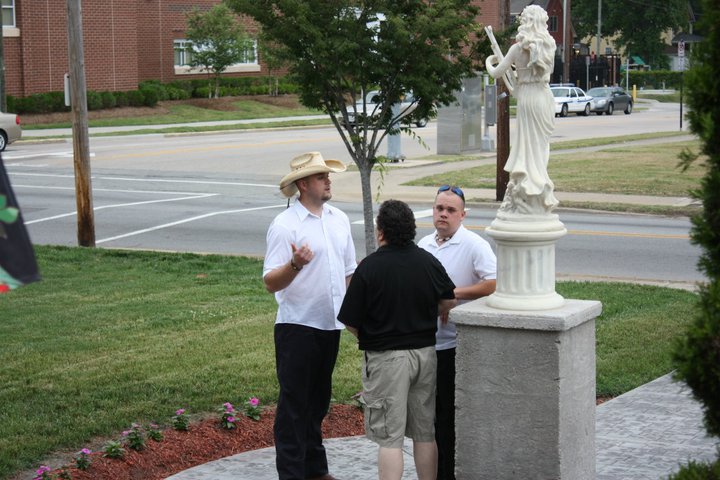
{"x": 608, "y": 99}
{"x": 570, "y": 99}
{"x": 10, "y": 130}
{"x": 372, "y": 107}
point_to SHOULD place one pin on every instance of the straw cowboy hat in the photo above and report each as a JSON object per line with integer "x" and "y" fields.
{"x": 305, "y": 165}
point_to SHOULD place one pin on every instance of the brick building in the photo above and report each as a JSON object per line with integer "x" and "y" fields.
{"x": 125, "y": 42}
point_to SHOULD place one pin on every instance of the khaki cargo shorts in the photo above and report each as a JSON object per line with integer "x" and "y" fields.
{"x": 399, "y": 395}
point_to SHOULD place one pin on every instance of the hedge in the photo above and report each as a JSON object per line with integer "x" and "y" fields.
{"x": 652, "y": 79}
{"x": 148, "y": 94}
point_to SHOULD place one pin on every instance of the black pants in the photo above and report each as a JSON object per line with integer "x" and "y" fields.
{"x": 305, "y": 358}
{"x": 445, "y": 414}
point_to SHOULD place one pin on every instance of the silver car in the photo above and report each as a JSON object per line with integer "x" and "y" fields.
{"x": 10, "y": 130}
{"x": 608, "y": 99}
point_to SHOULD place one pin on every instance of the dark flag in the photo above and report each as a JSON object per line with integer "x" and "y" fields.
{"x": 17, "y": 258}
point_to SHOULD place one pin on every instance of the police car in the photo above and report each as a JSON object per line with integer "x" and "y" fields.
{"x": 571, "y": 99}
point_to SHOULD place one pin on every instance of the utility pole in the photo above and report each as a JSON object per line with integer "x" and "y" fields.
{"x": 3, "y": 98}
{"x": 81, "y": 146}
{"x": 503, "y": 141}
{"x": 599, "y": 34}
{"x": 565, "y": 38}
{"x": 503, "y": 121}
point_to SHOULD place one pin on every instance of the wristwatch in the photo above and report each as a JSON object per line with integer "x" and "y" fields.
{"x": 295, "y": 266}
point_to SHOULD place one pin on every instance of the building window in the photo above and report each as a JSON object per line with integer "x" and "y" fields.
{"x": 250, "y": 54}
{"x": 8, "y": 13}
{"x": 553, "y": 24}
{"x": 183, "y": 52}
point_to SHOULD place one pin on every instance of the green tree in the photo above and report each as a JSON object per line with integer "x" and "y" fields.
{"x": 698, "y": 356}
{"x": 339, "y": 51}
{"x": 218, "y": 41}
{"x": 273, "y": 60}
{"x": 639, "y": 26}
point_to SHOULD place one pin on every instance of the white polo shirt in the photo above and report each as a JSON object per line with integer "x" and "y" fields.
{"x": 468, "y": 259}
{"x": 314, "y": 296}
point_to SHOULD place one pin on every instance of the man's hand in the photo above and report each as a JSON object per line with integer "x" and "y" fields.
{"x": 302, "y": 255}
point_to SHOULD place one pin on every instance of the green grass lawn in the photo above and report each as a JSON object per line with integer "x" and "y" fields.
{"x": 184, "y": 113}
{"x": 110, "y": 337}
{"x": 638, "y": 170}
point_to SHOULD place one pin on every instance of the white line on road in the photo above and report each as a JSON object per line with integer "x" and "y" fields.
{"x": 191, "y": 219}
{"x": 117, "y": 205}
{"x": 201, "y": 182}
{"x": 151, "y": 180}
{"x": 115, "y": 190}
{"x": 63, "y": 154}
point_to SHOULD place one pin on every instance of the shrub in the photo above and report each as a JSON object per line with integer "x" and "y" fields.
{"x": 698, "y": 357}
{"x": 108, "y": 100}
{"x": 655, "y": 79}
{"x": 30, "y": 104}
{"x": 698, "y": 471}
{"x": 56, "y": 102}
{"x": 11, "y": 103}
{"x": 201, "y": 92}
{"x": 136, "y": 98}
{"x": 94, "y": 100}
{"x": 121, "y": 99}
{"x": 155, "y": 86}
{"x": 150, "y": 96}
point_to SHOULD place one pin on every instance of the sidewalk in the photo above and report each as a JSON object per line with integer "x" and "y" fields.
{"x": 644, "y": 434}
{"x": 54, "y": 132}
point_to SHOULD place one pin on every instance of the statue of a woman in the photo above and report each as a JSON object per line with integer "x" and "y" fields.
{"x": 530, "y": 190}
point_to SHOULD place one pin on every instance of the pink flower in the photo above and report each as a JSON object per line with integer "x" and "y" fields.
{"x": 228, "y": 406}
{"x": 42, "y": 469}
{"x": 86, "y": 451}
{"x": 231, "y": 419}
{"x": 179, "y": 411}
{"x": 254, "y": 402}
{"x": 126, "y": 433}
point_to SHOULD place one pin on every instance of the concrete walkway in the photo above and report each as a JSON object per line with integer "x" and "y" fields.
{"x": 644, "y": 434}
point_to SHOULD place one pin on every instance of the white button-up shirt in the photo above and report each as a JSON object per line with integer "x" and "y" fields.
{"x": 468, "y": 259}
{"x": 314, "y": 296}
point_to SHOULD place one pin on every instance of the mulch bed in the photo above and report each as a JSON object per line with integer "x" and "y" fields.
{"x": 206, "y": 441}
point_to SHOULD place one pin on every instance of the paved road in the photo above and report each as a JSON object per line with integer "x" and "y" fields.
{"x": 217, "y": 193}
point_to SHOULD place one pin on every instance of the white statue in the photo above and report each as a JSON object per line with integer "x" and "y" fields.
{"x": 530, "y": 190}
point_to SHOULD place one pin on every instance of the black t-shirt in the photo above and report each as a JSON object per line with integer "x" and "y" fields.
{"x": 393, "y": 298}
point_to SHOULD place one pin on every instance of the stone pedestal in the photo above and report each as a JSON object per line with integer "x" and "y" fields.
{"x": 526, "y": 261}
{"x": 525, "y": 392}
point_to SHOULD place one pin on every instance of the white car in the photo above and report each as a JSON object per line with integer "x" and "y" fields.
{"x": 372, "y": 108}
{"x": 10, "y": 130}
{"x": 570, "y": 99}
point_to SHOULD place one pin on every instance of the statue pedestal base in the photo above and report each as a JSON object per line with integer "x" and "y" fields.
{"x": 525, "y": 392}
{"x": 526, "y": 261}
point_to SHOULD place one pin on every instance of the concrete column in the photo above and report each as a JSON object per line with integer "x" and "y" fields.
{"x": 525, "y": 392}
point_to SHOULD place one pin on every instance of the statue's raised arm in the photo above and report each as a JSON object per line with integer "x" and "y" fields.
{"x": 509, "y": 74}
{"x": 530, "y": 190}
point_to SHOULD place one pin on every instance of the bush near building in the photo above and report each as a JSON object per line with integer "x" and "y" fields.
{"x": 148, "y": 94}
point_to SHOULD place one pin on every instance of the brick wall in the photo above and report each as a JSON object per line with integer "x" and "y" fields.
{"x": 125, "y": 42}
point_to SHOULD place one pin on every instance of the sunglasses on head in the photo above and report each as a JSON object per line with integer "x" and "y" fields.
{"x": 456, "y": 190}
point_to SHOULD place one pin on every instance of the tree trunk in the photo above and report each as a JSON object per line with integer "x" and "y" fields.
{"x": 368, "y": 215}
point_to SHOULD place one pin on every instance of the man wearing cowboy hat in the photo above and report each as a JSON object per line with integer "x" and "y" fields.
{"x": 309, "y": 261}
